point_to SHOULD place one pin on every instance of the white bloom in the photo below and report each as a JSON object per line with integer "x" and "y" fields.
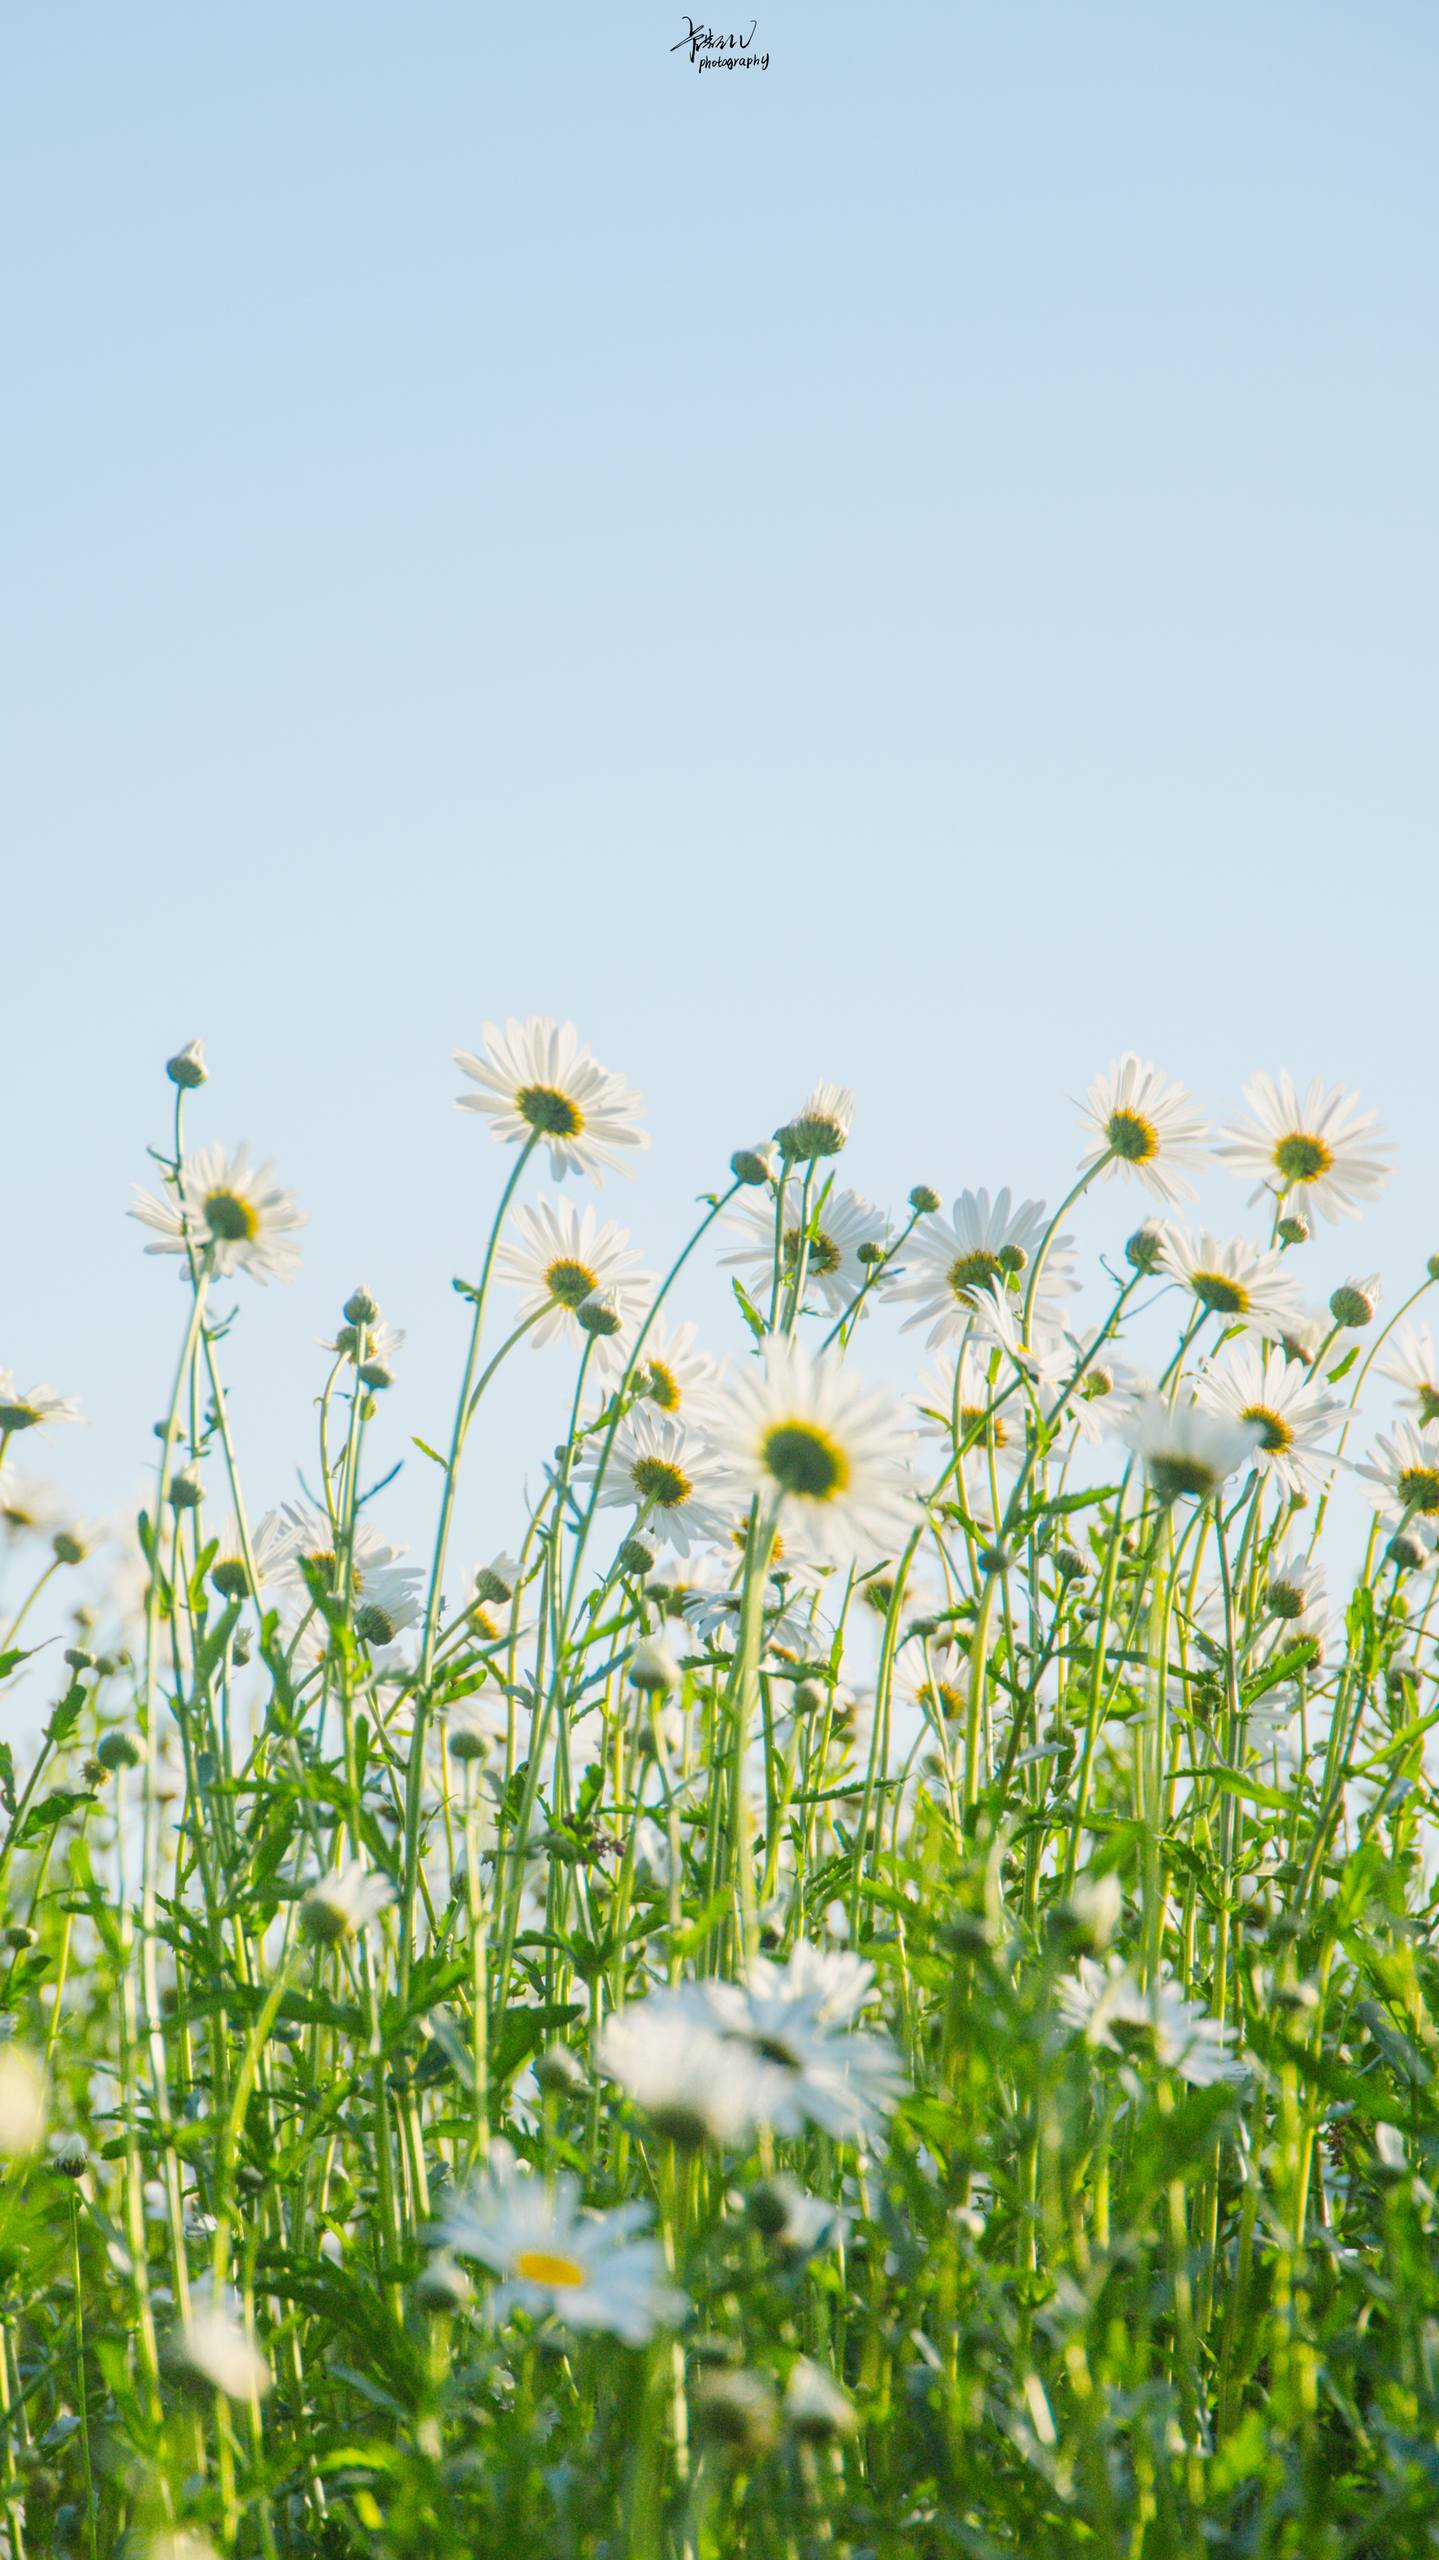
{"x": 29, "y": 1508}
{"x": 498, "y": 1580}
{"x": 214, "y": 2345}
{"x": 672, "y": 1372}
{"x": 23, "y": 2100}
{"x": 1105, "y": 2003}
{"x": 227, "y": 1208}
{"x": 822, "y": 1128}
{"x": 343, "y": 1903}
{"x": 956, "y": 1398}
{"x": 1405, "y": 1467}
{"x": 588, "y": 2269}
{"x": 1295, "y": 1594}
{"x": 378, "y": 1582}
{"x": 69, "y": 2153}
{"x": 652, "y": 1667}
{"x": 31, "y": 1408}
{"x": 1413, "y": 1364}
{"x": 803, "y": 1434}
{"x": 1187, "y": 1449}
{"x": 799, "y": 2017}
{"x": 1294, "y": 1416}
{"x": 953, "y": 1265}
{"x": 558, "y": 1255}
{"x": 839, "y": 1225}
{"x": 269, "y": 1548}
{"x": 1319, "y": 1149}
{"x": 691, "y": 2081}
{"x": 537, "y": 1082}
{"x": 814, "y": 2405}
{"x": 1144, "y": 1125}
{"x": 1238, "y": 1281}
{"x": 663, "y": 1471}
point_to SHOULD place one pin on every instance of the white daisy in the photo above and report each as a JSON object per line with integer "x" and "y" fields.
{"x": 1105, "y": 2004}
{"x": 1188, "y": 1449}
{"x": 1413, "y": 1364}
{"x": 537, "y": 1081}
{"x": 1143, "y": 1125}
{"x": 557, "y": 1255}
{"x": 373, "y": 1348}
{"x": 214, "y": 2346}
{"x": 799, "y": 2018}
{"x": 269, "y": 1547}
{"x": 587, "y": 2269}
{"x": 29, "y": 1508}
{"x": 845, "y": 1232}
{"x": 229, "y": 1209}
{"x": 822, "y": 1128}
{"x": 343, "y": 1903}
{"x": 952, "y": 1265}
{"x": 957, "y": 1400}
{"x": 672, "y": 1372}
{"x": 378, "y": 1581}
{"x": 1295, "y": 1594}
{"x": 1294, "y": 1415}
{"x": 663, "y": 1471}
{"x": 1237, "y": 1281}
{"x": 815, "y": 2408}
{"x": 1405, "y": 1467}
{"x": 1319, "y": 1149}
{"x": 32, "y": 1408}
{"x": 691, "y": 2081}
{"x": 802, "y": 1434}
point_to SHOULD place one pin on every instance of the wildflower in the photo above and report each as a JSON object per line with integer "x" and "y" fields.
{"x": 213, "y": 2346}
{"x": 1293, "y": 1416}
{"x": 344, "y": 1903}
{"x": 955, "y": 1264}
{"x": 652, "y": 1667}
{"x": 736, "y": 2412}
{"x": 28, "y": 1507}
{"x": 474, "y": 1726}
{"x": 269, "y": 1547}
{"x": 372, "y": 1348}
{"x": 1322, "y": 1147}
{"x": 499, "y": 1579}
{"x": 587, "y": 2269}
{"x": 985, "y": 1421}
{"x": 1188, "y": 1449}
{"x": 815, "y": 2408}
{"x": 794, "y": 2221}
{"x": 1143, "y": 1125}
{"x": 691, "y": 2081}
{"x": 1106, "y": 2004}
{"x": 537, "y": 1083}
{"x": 32, "y": 1408}
{"x": 1238, "y": 1280}
{"x": 805, "y": 1436}
{"x": 229, "y": 1210}
{"x": 558, "y": 1256}
{"x": 755, "y": 1165}
{"x": 123, "y": 1747}
{"x": 839, "y": 1230}
{"x": 673, "y": 1373}
{"x": 23, "y": 2101}
{"x": 601, "y": 1314}
{"x": 924, "y": 1200}
{"x": 1405, "y": 1467}
{"x": 1413, "y": 1364}
{"x": 799, "y": 2017}
{"x": 1090, "y": 1911}
{"x": 187, "y": 1068}
{"x": 1294, "y": 1592}
{"x": 662, "y": 1469}
{"x": 1354, "y": 1303}
{"x": 304, "y": 1554}
{"x": 1143, "y": 1249}
{"x": 821, "y": 1129}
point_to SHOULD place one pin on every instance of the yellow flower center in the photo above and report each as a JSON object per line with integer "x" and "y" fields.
{"x": 1274, "y": 1432}
{"x": 977, "y": 1420}
{"x": 823, "y": 1255}
{"x": 18, "y": 1416}
{"x": 570, "y": 1283}
{"x": 664, "y": 1387}
{"x": 230, "y": 1219}
{"x": 1419, "y": 1490}
{"x": 655, "y": 1480}
{"x": 1301, "y": 1158}
{"x": 1132, "y": 1138}
{"x": 804, "y": 1460}
{"x": 546, "y": 2266}
{"x": 1218, "y": 1291}
{"x": 550, "y": 1114}
{"x": 977, "y": 1270}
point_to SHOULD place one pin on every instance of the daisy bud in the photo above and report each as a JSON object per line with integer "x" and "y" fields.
{"x": 77, "y": 1659}
{"x": 186, "y": 1490}
{"x": 821, "y": 1129}
{"x": 1070, "y": 1564}
{"x": 187, "y": 1068}
{"x": 994, "y": 1559}
{"x": 374, "y": 1625}
{"x": 736, "y": 2411}
{"x": 635, "y": 1556}
{"x": 923, "y": 1200}
{"x": 17, "y": 1937}
{"x": 1354, "y": 1301}
{"x": 121, "y": 1748}
{"x": 497, "y": 1579}
{"x": 376, "y": 1373}
{"x": 1013, "y": 1259}
{"x": 871, "y": 1255}
{"x": 1089, "y": 1915}
{"x": 70, "y": 2154}
{"x": 599, "y": 1314}
{"x": 1407, "y": 1552}
{"x": 1145, "y": 1246}
{"x": 71, "y": 1546}
{"x": 360, "y": 1308}
{"x": 1432, "y": 1266}
{"x": 815, "y": 2408}
{"x": 442, "y": 2285}
{"x": 559, "y": 2072}
{"x": 653, "y": 1668}
{"x": 755, "y": 1165}
{"x": 1293, "y": 1229}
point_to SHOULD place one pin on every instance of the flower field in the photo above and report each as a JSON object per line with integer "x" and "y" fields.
{"x": 866, "y": 1986}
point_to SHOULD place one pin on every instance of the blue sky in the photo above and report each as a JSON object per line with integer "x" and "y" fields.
{"x": 916, "y": 566}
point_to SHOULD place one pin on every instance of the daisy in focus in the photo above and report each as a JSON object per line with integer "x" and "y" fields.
{"x": 845, "y": 1239}
{"x": 588, "y": 2270}
{"x": 954, "y": 1265}
{"x": 1405, "y": 1469}
{"x": 663, "y": 1471}
{"x": 1144, "y": 1125}
{"x": 537, "y": 1084}
{"x": 1238, "y": 1280}
{"x": 830, "y": 1455}
{"x": 558, "y": 1256}
{"x": 1318, "y": 1151}
{"x": 675, "y": 1376}
{"x": 1294, "y": 1416}
{"x": 229, "y": 1211}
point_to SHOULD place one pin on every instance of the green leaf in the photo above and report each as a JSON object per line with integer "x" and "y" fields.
{"x": 17, "y": 1653}
{"x": 427, "y": 1452}
{"x": 1342, "y": 1367}
{"x": 750, "y": 1312}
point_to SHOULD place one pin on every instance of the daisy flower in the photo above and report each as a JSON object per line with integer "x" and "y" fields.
{"x": 343, "y": 1903}
{"x": 693, "y": 2083}
{"x": 558, "y": 1256}
{"x": 32, "y": 1408}
{"x": 229, "y": 1209}
{"x": 1188, "y": 1449}
{"x": 957, "y": 1399}
{"x": 1105, "y": 2004}
{"x": 1238, "y": 1281}
{"x": 830, "y": 1454}
{"x": 799, "y": 2018}
{"x": 953, "y": 1265}
{"x": 845, "y": 1231}
{"x": 269, "y": 1546}
{"x": 587, "y": 2269}
{"x": 1295, "y": 1594}
{"x": 1413, "y": 1364}
{"x": 215, "y": 2347}
{"x": 672, "y": 1372}
{"x": 536, "y": 1082}
{"x": 1143, "y": 1125}
{"x": 1293, "y": 1415}
{"x": 1405, "y": 1468}
{"x": 662, "y": 1470}
{"x": 29, "y": 1508}
{"x": 1319, "y": 1149}
{"x": 378, "y": 1581}
{"x": 822, "y": 1128}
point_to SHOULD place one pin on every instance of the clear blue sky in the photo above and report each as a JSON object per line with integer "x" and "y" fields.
{"x": 917, "y": 566}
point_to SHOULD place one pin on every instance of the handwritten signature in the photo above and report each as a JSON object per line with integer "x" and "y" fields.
{"x": 710, "y": 48}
